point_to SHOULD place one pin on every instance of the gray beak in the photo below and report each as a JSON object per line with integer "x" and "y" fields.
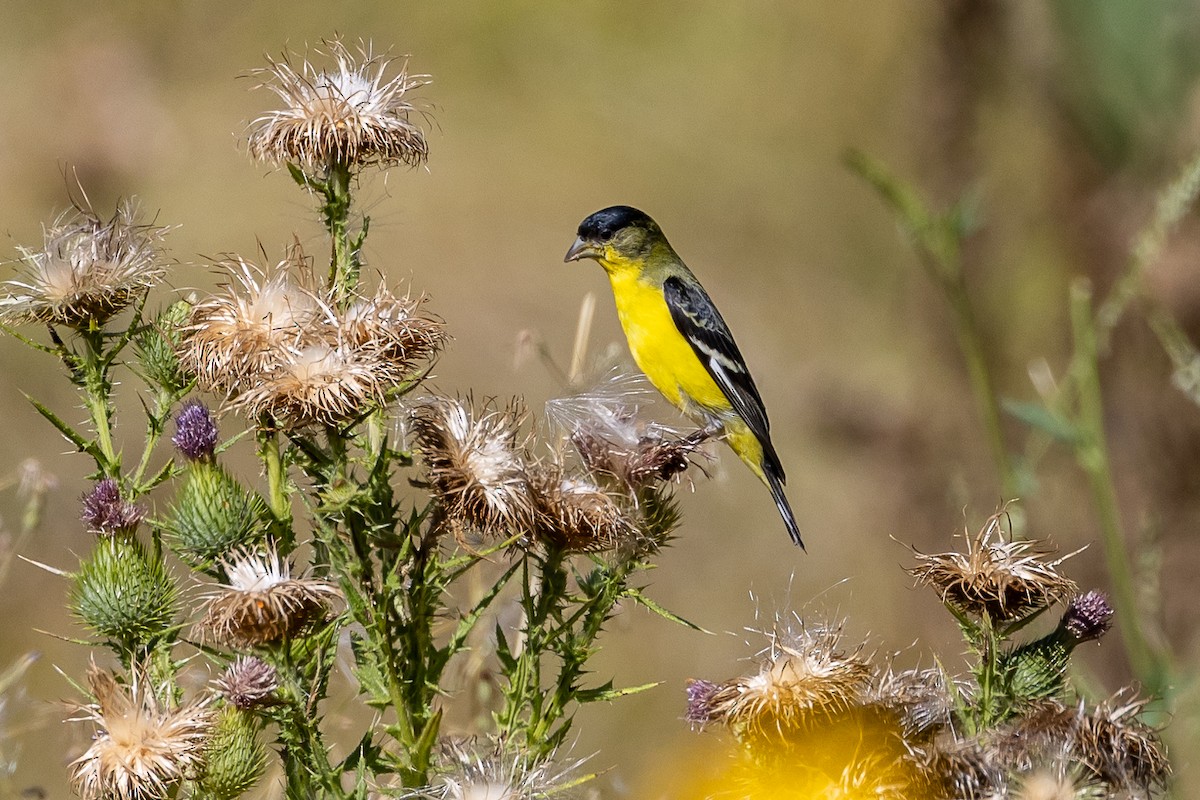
{"x": 581, "y": 249}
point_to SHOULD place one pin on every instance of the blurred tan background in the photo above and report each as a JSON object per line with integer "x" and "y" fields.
{"x": 727, "y": 122}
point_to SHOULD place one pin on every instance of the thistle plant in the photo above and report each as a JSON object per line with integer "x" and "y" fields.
{"x": 820, "y": 719}
{"x": 392, "y": 530}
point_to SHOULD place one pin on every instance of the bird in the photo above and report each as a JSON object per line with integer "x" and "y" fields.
{"x": 680, "y": 341}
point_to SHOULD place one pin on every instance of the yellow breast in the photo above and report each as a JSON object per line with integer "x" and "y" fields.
{"x": 660, "y": 350}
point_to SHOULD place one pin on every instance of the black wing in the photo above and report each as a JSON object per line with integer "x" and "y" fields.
{"x": 705, "y": 330}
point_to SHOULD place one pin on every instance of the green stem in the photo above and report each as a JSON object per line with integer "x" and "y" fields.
{"x": 1091, "y": 451}
{"x": 344, "y": 265}
{"x": 97, "y": 391}
{"x": 277, "y": 493}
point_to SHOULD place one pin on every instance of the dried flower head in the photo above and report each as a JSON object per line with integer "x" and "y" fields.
{"x": 805, "y": 680}
{"x": 1088, "y": 617}
{"x": 347, "y": 113}
{"x": 650, "y": 460}
{"x": 106, "y": 513}
{"x": 1109, "y": 743}
{"x": 921, "y": 699}
{"x": 478, "y": 770}
{"x": 87, "y": 269}
{"x": 392, "y": 327}
{"x": 321, "y": 383}
{"x": 1058, "y": 781}
{"x": 476, "y": 464}
{"x": 142, "y": 749}
{"x": 238, "y": 335}
{"x": 576, "y": 515}
{"x": 263, "y": 603}
{"x": 1001, "y": 579}
{"x": 195, "y": 431}
{"x": 248, "y": 683}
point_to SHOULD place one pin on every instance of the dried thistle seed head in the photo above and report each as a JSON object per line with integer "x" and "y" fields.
{"x": 87, "y": 269}
{"x": 1004, "y": 580}
{"x": 263, "y": 603}
{"x": 248, "y": 683}
{"x": 236, "y": 336}
{"x": 805, "y": 680}
{"x": 106, "y": 514}
{"x": 1088, "y": 617}
{"x": 921, "y": 700}
{"x": 195, "y": 431}
{"x": 476, "y": 464}
{"x": 143, "y": 748}
{"x": 1109, "y": 742}
{"x": 393, "y": 327}
{"x": 488, "y": 770}
{"x": 1059, "y": 781}
{"x": 650, "y": 460}
{"x": 346, "y": 113}
{"x": 576, "y": 515}
{"x": 320, "y": 384}
{"x": 612, "y": 407}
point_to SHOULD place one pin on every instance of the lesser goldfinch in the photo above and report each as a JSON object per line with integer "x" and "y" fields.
{"x": 679, "y": 339}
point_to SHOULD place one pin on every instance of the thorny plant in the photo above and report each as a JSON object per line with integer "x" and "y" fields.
{"x": 819, "y": 720}
{"x": 394, "y": 530}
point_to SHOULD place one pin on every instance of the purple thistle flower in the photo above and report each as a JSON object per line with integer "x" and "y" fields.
{"x": 1088, "y": 616}
{"x": 106, "y": 513}
{"x": 700, "y": 709}
{"x": 195, "y": 431}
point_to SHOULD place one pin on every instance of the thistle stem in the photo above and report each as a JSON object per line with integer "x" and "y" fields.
{"x": 1091, "y": 451}
{"x": 343, "y": 266}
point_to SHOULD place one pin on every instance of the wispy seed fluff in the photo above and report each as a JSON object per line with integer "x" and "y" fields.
{"x": 1003, "y": 580}
{"x": 87, "y": 270}
{"x": 476, "y": 465}
{"x": 142, "y": 749}
{"x": 262, "y": 603}
{"x": 483, "y": 770}
{"x": 346, "y": 113}
{"x": 272, "y": 343}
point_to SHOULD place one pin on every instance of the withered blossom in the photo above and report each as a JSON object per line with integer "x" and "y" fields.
{"x": 1001, "y": 579}
{"x": 650, "y": 460}
{"x": 320, "y": 383}
{"x": 471, "y": 769}
{"x": 804, "y": 680}
{"x": 237, "y": 335}
{"x": 576, "y": 515}
{"x": 143, "y": 748}
{"x": 262, "y": 603}
{"x": 248, "y": 682}
{"x": 393, "y": 327}
{"x": 347, "y": 113}
{"x": 195, "y": 431}
{"x": 87, "y": 270}
{"x": 476, "y": 465}
{"x": 922, "y": 700}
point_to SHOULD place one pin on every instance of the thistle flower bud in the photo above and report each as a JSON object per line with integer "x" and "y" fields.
{"x": 213, "y": 514}
{"x": 347, "y": 114}
{"x": 248, "y": 683}
{"x": 234, "y": 758}
{"x": 143, "y": 749}
{"x": 123, "y": 594}
{"x": 158, "y": 347}
{"x": 106, "y": 514}
{"x": 263, "y": 603}
{"x": 195, "y": 431}
{"x": 1088, "y": 617}
{"x": 87, "y": 270}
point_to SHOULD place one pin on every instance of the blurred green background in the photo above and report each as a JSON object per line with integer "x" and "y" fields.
{"x": 727, "y": 122}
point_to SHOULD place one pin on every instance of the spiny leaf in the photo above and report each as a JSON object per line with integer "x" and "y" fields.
{"x": 641, "y": 599}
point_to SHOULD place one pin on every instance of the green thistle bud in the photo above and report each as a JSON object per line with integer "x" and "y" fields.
{"x": 123, "y": 594}
{"x": 158, "y": 345}
{"x": 212, "y": 515}
{"x": 234, "y": 758}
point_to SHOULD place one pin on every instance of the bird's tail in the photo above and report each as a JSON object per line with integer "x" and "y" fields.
{"x": 775, "y": 482}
